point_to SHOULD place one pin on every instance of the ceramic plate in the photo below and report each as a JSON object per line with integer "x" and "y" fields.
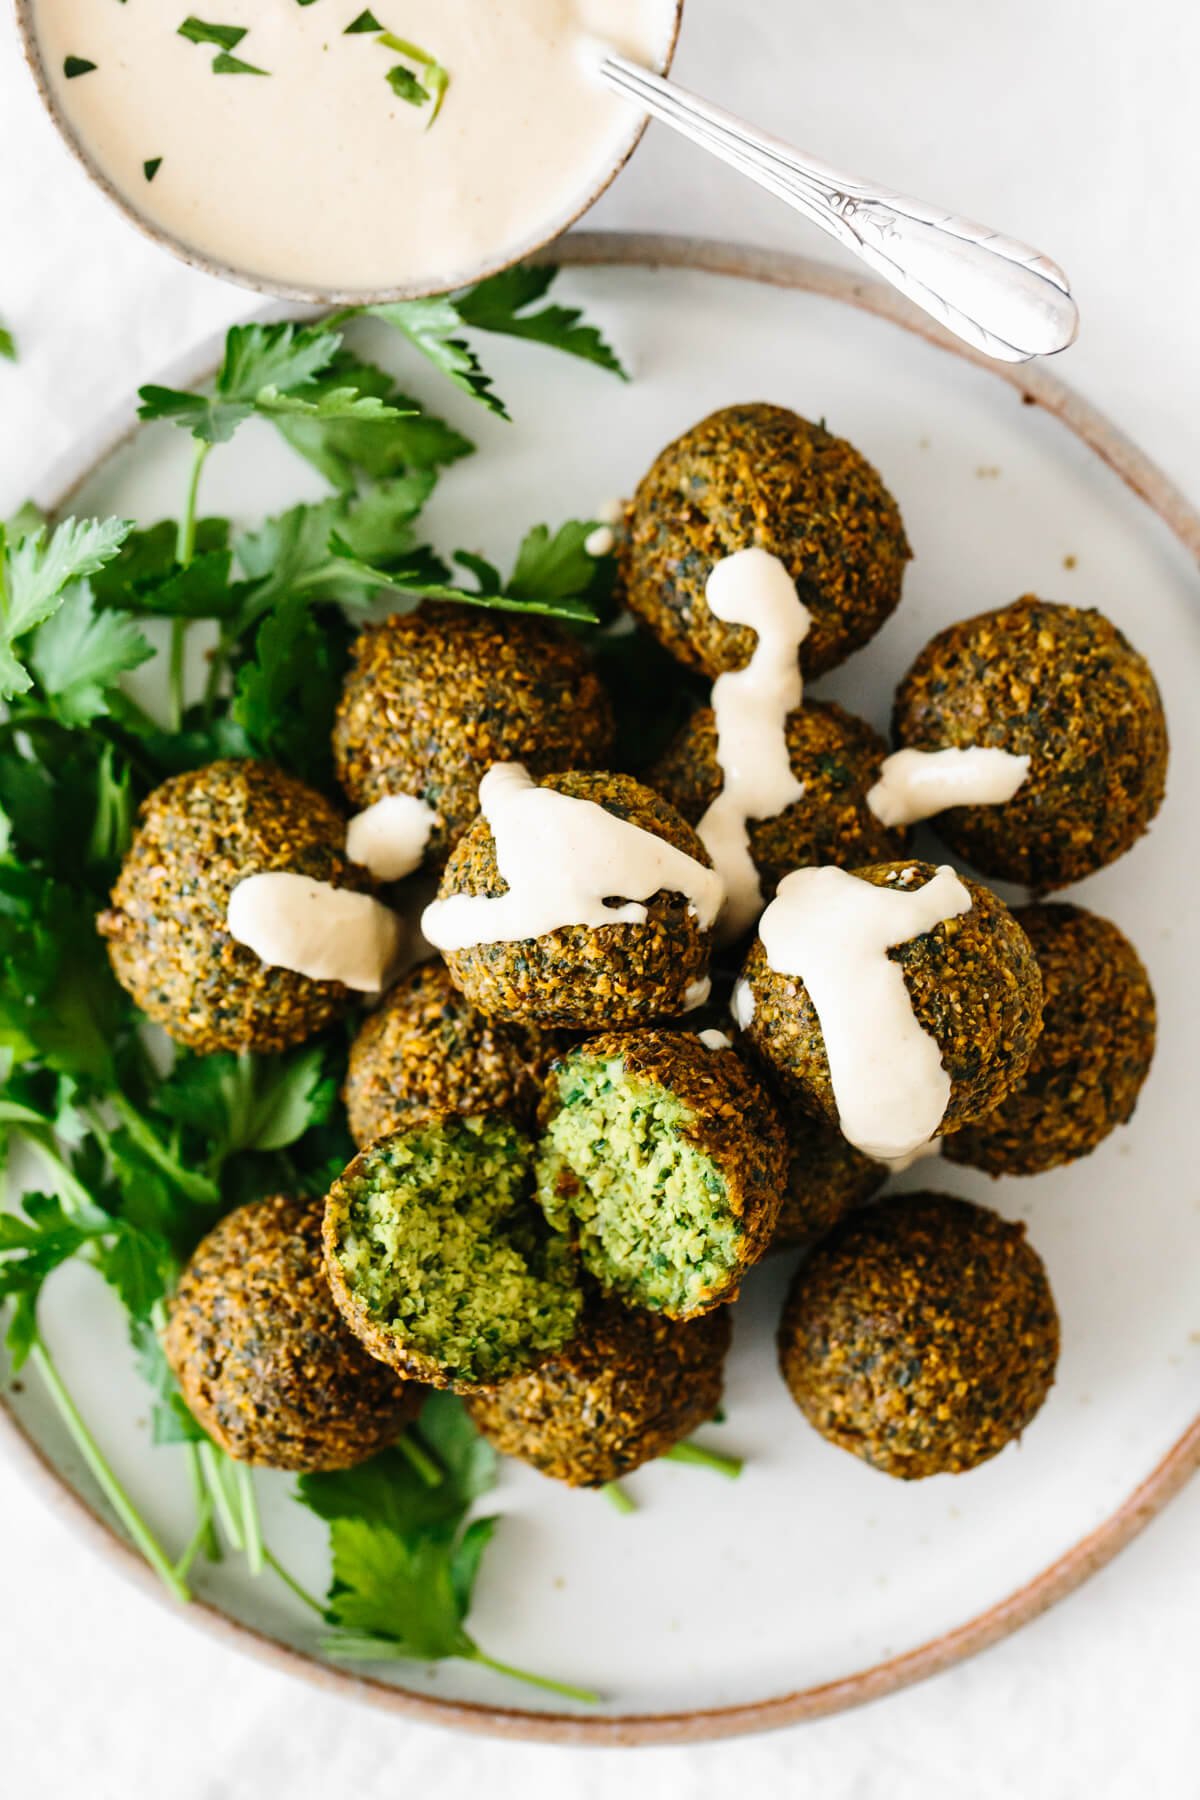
{"x": 813, "y": 1582}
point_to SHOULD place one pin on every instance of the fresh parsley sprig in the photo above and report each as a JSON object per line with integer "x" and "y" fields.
{"x": 405, "y": 1554}
{"x": 501, "y": 305}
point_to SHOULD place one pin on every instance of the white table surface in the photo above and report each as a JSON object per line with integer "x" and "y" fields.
{"x": 1068, "y": 122}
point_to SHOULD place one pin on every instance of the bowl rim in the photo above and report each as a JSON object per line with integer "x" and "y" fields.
{"x": 1036, "y": 386}
{"x": 307, "y": 293}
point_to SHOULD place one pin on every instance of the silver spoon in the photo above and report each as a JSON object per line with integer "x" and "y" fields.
{"x": 1000, "y": 295}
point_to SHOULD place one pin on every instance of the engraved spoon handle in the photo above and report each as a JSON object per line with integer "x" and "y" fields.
{"x": 998, "y": 294}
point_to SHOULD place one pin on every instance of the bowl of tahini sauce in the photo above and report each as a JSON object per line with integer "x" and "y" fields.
{"x": 323, "y": 150}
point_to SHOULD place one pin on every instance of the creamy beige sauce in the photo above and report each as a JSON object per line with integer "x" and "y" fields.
{"x": 916, "y": 784}
{"x": 316, "y": 175}
{"x": 389, "y": 838}
{"x": 751, "y": 708}
{"x": 832, "y": 932}
{"x": 562, "y": 859}
{"x": 327, "y": 933}
{"x": 714, "y": 1040}
{"x": 741, "y": 1003}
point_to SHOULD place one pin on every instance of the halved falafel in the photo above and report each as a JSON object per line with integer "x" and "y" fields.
{"x": 974, "y": 986}
{"x": 581, "y": 976}
{"x": 667, "y": 1161}
{"x": 1094, "y": 1052}
{"x": 835, "y": 755}
{"x": 1064, "y": 687}
{"x": 262, "y": 1356}
{"x": 439, "y": 1259}
{"x": 198, "y": 836}
{"x": 436, "y": 696}
{"x": 921, "y": 1336}
{"x": 759, "y": 475}
{"x": 629, "y": 1387}
{"x": 427, "y": 1050}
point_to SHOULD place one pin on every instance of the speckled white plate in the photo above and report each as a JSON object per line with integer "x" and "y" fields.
{"x": 813, "y": 1582}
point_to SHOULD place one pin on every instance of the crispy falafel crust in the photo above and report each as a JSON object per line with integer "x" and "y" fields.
{"x": 975, "y": 988}
{"x": 584, "y": 977}
{"x": 198, "y": 835}
{"x": 837, "y": 757}
{"x": 1094, "y": 1053}
{"x": 427, "y": 1050}
{"x": 262, "y": 1356}
{"x": 732, "y": 1121}
{"x": 628, "y": 1388}
{"x": 1064, "y": 687}
{"x": 435, "y": 697}
{"x": 759, "y": 475}
{"x": 921, "y": 1336}
{"x": 827, "y": 1177}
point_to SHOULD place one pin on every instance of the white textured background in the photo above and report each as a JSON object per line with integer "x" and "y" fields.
{"x": 1072, "y": 123}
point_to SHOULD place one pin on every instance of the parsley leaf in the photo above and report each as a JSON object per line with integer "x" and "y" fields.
{"x": 35, "y": 570}
{"x": 554, "y": 576}
{"x": 8, "y": 344}
{"x": 347, "y": 450}
{"x": 434, "y": 327}
{"x": 145, "y": 577}
{"x": 243, "y": 1102}
{"x": 78, "y": 654}
{"x": 405, "y": 85}
{"x": 262, "y": 366}
{"x": 499, "y": 304}
{"x": 226, "y": 37}
{"x": 404, "y": 1559}
{"x": 285, "y": 699}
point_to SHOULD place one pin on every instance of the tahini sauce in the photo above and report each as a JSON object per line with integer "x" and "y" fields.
{"x": 316, "y": 175}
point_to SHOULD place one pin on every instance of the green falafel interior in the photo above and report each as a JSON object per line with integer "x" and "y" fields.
{"x": 440, "y": 1260}
{"x": 651, "y": 1208}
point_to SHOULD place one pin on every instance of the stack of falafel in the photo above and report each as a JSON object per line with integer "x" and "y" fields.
{"x": 561, "y": 1181}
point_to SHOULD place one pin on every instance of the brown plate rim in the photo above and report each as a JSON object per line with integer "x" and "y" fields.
{"x": 1035, "y": 385}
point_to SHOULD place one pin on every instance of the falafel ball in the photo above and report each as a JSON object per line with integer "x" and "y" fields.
{"x": 836, "y": 756}
{"x": 1088, "y": 1066}
{"x": 427, "y": 1050}
{"x": 586, "y": 977}
{"x": 759, "y": 475}
{"x": 921, "y": 1336}
{"x": 441, "y": 1262}
{"x": 435, "y": 697}
{"x": 667, "y": 1161}
{"x": 827, "y": 1177}
{"x": 198, "y": 836}
{"x": 974, "y": 985}
{"x": 629, "y": 1387}
{"x": 1064, "y": 687}
{"x": 264, "y": 1361}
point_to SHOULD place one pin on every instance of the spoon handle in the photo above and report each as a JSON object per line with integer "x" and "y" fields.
{"x": 998, "y": 294}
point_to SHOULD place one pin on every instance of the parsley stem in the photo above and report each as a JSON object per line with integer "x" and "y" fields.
{"x": 185, "y": 540}
{"x": 251, "y": 1522}
{"x": 616, "y": 1496}
{"x": 214, "y": 1476}
{"x": 419, "y": 1459}
{"x": 70, "y": 1189}
{"x": 588, "y": 1695}
{"x": 289, "y": 1580}
{"x": 729, "y": 1466}
{"x": 110, "y": 1487}
{"x": 185, "y": 549}
{"x": 198, "y": 1188}
{"x": 198, "y": 1539}
{"x": 204, "y": 1503}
